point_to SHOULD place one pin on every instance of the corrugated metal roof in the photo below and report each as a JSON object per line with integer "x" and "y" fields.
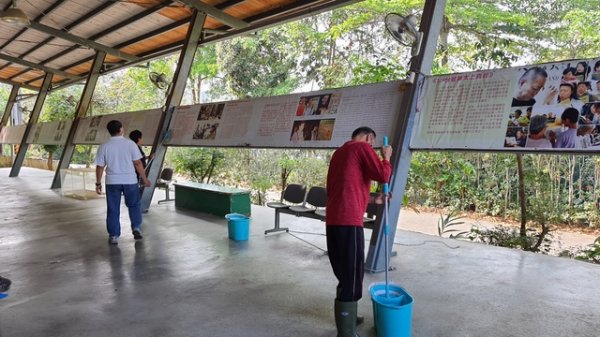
{"x": 64, "y": 34}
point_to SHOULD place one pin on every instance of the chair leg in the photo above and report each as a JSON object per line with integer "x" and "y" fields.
{"x": 167, "y": 196}
{"x": 276, "y": 228}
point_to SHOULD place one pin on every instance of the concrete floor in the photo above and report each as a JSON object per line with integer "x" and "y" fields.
{"x": 186, "y": 278}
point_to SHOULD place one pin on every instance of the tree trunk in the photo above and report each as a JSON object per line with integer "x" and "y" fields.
{"x": 520, "y": 173}
{"x": 506, "y": 192}
{"x": 571, "y": 182}
{"x": 50, "y": 162}
{"x": 444, "y": 41}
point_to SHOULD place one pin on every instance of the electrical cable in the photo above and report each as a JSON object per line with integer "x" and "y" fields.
{"x": 395, "y": 243}
{"x": 319, "y": 248}
{"x": 424, "y": 242}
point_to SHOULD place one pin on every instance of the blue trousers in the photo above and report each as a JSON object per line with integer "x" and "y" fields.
{"x": 113, "y": 203}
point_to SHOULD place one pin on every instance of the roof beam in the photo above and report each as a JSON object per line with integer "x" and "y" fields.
{"x": 108, "y": 30}
{"x": 70, "y": 26}
{"x": 266, "y": 20}
{"x": 22, "y": 85}
{"x": 39, "y": 17}
{"x": 216, "y": 13}
{"x": 81, "y": 41}
{"x": 37, "y": 66}
{"x": 126, "y": 43}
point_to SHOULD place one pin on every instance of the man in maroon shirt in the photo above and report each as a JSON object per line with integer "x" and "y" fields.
{"x": 351, "y": 169}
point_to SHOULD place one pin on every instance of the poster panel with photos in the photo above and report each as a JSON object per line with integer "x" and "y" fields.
{"x": 547, "y": 107}
{"x": 321, "y": 119}
{"x": 50, "y": 133}
{"x": 12, "y": 134}
{"x": 92, "y": 130}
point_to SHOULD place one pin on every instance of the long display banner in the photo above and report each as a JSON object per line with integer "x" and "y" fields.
{"x": 548, "y": 107}
{"x": 50, "y": 133}
{"x": 92, "y": 130}
{"x": 321, "y": 119}
{"x": 12, "y": 134}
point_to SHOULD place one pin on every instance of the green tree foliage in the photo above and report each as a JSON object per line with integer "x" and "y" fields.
{"x": 199, "y": 163}
{"x": 258, "y": 65}
{"x": 205, "y": 67}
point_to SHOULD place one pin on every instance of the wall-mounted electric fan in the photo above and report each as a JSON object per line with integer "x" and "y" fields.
{"x": 404, "y": 30}
{"x": 159, "y": 80}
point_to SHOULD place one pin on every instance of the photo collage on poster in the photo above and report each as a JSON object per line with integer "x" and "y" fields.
{"x": 93, "y": 129}
{"x": 209, "y": 118}
{"x": 60, "y": 130}
{"x": 556, "y": 106}
{"x": 305, "y": 127}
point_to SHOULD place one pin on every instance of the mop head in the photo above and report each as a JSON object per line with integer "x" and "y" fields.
{"x": 394, "y": 297}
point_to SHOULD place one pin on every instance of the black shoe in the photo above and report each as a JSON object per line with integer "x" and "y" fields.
{"x": 4, "y": 284}
{"x": 137, "y": 234}
{"x": 360, "y": 320}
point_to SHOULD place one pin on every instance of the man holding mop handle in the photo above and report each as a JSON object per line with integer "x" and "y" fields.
{"x": 351, "y": 169}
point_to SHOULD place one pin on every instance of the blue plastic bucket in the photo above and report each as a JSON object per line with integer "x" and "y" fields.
{"x": 238, "y": 226}
{"x": 392, "y": 313}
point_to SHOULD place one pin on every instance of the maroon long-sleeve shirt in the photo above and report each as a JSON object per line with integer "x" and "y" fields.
{"x": 351, "y": 169}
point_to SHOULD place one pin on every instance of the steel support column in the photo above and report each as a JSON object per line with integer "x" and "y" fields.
{"x": 82, "y": 108}
{"x": 431, "y": 23}
{"x": 9, "y": 106}
{"x": 12, "y": 98}
{"x": 35, "y": 114}
{"x": 184, "y": 65}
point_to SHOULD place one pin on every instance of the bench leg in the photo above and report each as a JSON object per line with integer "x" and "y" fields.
{"x": 276, "y": 228}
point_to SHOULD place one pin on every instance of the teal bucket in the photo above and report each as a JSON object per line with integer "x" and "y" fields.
{"x": 392, "y": 313}
{"x": 238, "y": 226}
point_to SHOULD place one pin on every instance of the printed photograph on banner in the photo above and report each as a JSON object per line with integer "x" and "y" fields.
{"x": 516, "y": 136}
{"x": 326, "y": 129}
{"x": 91, "y": 135}
{"x": 318, "y": 105}
{"x": 560, "y": 98}
{"x": 36, "y": 134}
{"x": 95, "y": 121}
{"x": 205, "y": 131}
{"x": 211, "y": 111}
{"x": 312, "y": 130}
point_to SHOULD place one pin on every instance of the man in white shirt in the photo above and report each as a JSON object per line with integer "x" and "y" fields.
{"x": 121, "y": 159}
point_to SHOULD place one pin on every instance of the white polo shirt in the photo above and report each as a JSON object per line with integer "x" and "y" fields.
{"x": 117, "y": 156}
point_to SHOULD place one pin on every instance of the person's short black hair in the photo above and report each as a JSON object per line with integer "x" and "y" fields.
{"x": 570, "y": 114}
{"x": 570, "y": 85}
{"x": 518, "y": 112}
{"x": 363, "y": 130}
{"x": 571, "y": 70}
{"x": 114, "y": 127}
{"x": 135, "y": 135}
{"x": 529, "y": 109}
{"x": 537, "y": 124}
{"x": 586, "y": 83}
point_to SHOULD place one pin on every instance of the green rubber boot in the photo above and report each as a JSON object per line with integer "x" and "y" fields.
{"x": 345, "y": 318}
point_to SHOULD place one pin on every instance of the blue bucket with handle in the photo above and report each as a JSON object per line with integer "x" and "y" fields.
{"x": 238, "y": 226}
{"x": 392, "y": 312}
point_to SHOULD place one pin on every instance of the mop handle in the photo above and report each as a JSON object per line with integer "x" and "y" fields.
{"x": 386, "y": 191}
{"x": 385, "y": 237}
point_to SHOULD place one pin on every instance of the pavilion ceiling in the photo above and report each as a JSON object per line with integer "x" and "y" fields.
{"x": 64, "y": 35}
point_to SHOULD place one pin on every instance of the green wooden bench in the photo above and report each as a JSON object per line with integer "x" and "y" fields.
{"x": 212, "y": 199}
